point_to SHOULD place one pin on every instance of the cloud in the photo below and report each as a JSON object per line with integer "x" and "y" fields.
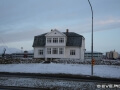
{"x": 8, "y": 50}
{"x": 26, "y": 31}
{"x": 98, "y": 25}
{"x": 108, "y": 21}
{"x": 23, "y": 35}
{"x": 107, "y": 24}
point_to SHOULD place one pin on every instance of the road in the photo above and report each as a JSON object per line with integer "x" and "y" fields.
{"x": 52, "y": 81}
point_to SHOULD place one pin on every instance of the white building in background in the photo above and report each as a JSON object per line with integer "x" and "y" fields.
{"x": 56, "y": 44}
{"x": 96, "y": 55}
{"x": 112, "y": 55}
{"x": 22, "y": 55}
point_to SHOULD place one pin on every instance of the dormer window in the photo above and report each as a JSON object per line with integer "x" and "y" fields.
{"x": 48, "y": 40}
{"x": 55, "y": 40}
{"x": 61, "y": 40}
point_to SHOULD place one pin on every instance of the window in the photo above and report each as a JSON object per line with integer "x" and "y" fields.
{"x": 48, "y": 40}
{"x": 61, "y": 40}
{"x": 55, "y": 51}
{"x": 72, "y": 52}
{"x": 61, "y": 50}
{"x": 48, "y": 50}
{"x": 40, "y": 52}
{"x": 55, "y": 40}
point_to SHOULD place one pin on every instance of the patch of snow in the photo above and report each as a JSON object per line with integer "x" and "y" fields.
{"x": 109, "y": 71}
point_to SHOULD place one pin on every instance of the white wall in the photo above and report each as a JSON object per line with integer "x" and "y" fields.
{"x": 77, "y": 52}
{"x": 55, "y": 55}
{"x": 36, "y": 54}
{"x": 55, "y": 34}
{"x": 55, "y": 44}
{"x": 82, "y": 50}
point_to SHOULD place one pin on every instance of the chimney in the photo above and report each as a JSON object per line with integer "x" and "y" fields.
{"x": 67, "y": 30}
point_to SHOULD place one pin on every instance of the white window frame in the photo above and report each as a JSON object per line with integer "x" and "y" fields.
{"x": 49, "y": 40}
{"x": 61, "y": 40}
{"x": 48, "y": 50}
{"x": 54, "y": 50}
{"x": 61, "y": 50}
{"x": 40, "y": 52}
{"x": 72, "y": 52}
{"x": 55, "y": 40}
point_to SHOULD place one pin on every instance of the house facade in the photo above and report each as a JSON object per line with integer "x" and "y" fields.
{"x": 56, "y": 44}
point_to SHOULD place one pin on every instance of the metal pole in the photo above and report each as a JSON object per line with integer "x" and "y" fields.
{"x": 91, "y": 40}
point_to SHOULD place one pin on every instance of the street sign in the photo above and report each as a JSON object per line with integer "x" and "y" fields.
{"x": 93, "y": 62}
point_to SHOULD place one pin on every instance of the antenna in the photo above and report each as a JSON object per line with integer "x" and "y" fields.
{"x": 21, "y": 49}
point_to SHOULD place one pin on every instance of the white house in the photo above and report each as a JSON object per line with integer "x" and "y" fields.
{"x": 56, "y": 44}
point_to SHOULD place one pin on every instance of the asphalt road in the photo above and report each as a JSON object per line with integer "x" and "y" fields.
{"x": 19, "y": 88}
{"x": 56, "y": 78}
{"x": 60, "y": 76}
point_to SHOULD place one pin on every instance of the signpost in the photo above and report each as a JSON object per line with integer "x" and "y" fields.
{"x": 91, "y": 40}
{"x": 93, "y": 62}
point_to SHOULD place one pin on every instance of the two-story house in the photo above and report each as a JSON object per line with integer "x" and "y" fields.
{"x": 56, "y": 44}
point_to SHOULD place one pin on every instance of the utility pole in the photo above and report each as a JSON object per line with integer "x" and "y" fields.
{"x": 92, "y": 60}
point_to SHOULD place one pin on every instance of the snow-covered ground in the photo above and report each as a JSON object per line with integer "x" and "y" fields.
{"x": 109, "y": 71}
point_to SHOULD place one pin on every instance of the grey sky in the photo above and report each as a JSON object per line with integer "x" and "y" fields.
{"x": 21, "y": 20}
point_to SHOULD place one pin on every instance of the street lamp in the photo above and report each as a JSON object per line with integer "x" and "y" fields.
{"x": 91, "y": 41}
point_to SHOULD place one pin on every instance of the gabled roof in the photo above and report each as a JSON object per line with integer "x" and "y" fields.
{"x": 55, "y": 31}
{"x": 73, "y": 39}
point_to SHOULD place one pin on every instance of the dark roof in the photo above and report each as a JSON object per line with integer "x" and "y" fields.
{"x": 73, "y": 39}
{"x": 39, "y": 40}
{"x": 71, "y": 34}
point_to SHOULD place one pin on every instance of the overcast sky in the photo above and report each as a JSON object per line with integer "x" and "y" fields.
{"x": 21, "y": 20}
